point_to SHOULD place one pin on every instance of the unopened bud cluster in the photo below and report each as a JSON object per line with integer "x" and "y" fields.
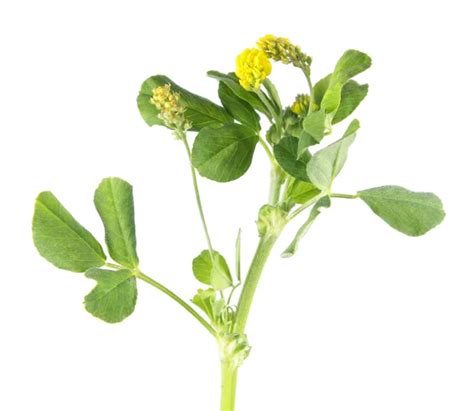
{"x": 170, "y": 108}
{"x": 301, "y": 105}
{"x": 281, "y": 49}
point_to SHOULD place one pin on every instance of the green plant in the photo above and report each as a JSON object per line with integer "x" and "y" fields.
{"x": 227, "y": 136}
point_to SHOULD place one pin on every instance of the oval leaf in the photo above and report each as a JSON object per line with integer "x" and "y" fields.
{"x": 349, "y": 65}
{"x": 327, "y": 163}
{"x": 114, "y": 202}
{"x": 61, "y": 240}
{"x": 286, "y": 153}
{"x": 115, "y": 295}
{"x": 212, "y": 271}
{"x": 409, "y": 212}
{"x": 199, "y": 110}
{"x": 300, "y": 192}
{"x": 314, "y": 127}
{"x": 224, "y": 154}
{"x": 240, "y": 109}
{"x": 250, "y": 97}
{"x": 352, "y": 95}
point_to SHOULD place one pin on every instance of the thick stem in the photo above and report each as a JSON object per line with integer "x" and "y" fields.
{"x": 276, "y": 180}
{"x": 262, "y": 253}
{"x": 228, "y": 386}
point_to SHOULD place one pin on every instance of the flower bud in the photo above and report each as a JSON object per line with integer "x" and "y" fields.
{"x": 170, "y": 108}
{"x": 281, "y": 49}
{"x": 301, "y": 105}
{"x": 252, "y": 68}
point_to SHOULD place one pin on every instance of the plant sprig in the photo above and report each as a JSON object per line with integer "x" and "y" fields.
{"x": 302, "y": 179}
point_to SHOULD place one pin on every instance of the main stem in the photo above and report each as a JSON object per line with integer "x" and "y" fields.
{"x": 262, "y": 253}
{"x": 228, "y": 386}
{"x": 229, "y": 370}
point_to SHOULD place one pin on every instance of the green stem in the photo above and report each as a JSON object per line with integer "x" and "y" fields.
{"x": 304, "y": 206}
{"x": 262, "y": 253}
{"x": 179, "y": 300}
{"x": 276, "y": 180}
{"x": 268, "y": 151}
{"x": 198, "y": 196}
{"x": 271, "y": 109}
{"x": 311, "y": 94}
{"x": 349, "y": 196}
{"x": 228, "y": 386}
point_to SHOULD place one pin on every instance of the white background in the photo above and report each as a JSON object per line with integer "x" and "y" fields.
{"x": 363, "y": 318}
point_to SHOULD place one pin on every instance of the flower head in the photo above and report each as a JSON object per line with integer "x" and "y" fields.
{"x": 301, "y": 104}
{"x": 252, "y": 68}
{"x": 170, "y": 108}
{"x": 281, "y": 49}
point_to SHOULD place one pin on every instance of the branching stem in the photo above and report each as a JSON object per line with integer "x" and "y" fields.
{"x": 179, "y": 300}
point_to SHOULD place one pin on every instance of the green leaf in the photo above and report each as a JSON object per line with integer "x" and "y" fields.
{"x": 224, "y": 154}
{"x": 332, "y": 98}
{"x": 212, "y": 271}
{"x": 61, "y": 240}
{"x": 300, "y": 192}
{"x": 315, "y": 211}
{"x": 292, "y": 124}
{"x": 232, "y": 82}
{"x": 273, "y": 94}
{"x": 199, "y": 110}
{"x": 238, "y": 108}
{"x": 115, "y": 295}
{"x": 114, "y": 202}
{"x": 206, "y": 300}
{"x": 351, "y": 96}
{"x": 286, "y": 153}
{"x": 314, "y": 126}
{"x": 320, "y": 88}
{"x": 410, "y": 212}
{"x": 327, "y": 163}
{"x": 349, "y": 65}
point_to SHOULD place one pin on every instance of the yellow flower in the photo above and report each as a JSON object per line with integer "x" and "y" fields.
{"x": 170, "y": 108}
{"x": 281, "y": 49}
{"x": 252, "y": 68}
{"x": 301, "y": 104}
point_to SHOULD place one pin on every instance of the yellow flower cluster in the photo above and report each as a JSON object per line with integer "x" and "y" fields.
{"x": 170, "y": 109}
{"x": 252, "y": 68}
{"x": 301, "y": 104}
{"x": 281, "y": 49}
